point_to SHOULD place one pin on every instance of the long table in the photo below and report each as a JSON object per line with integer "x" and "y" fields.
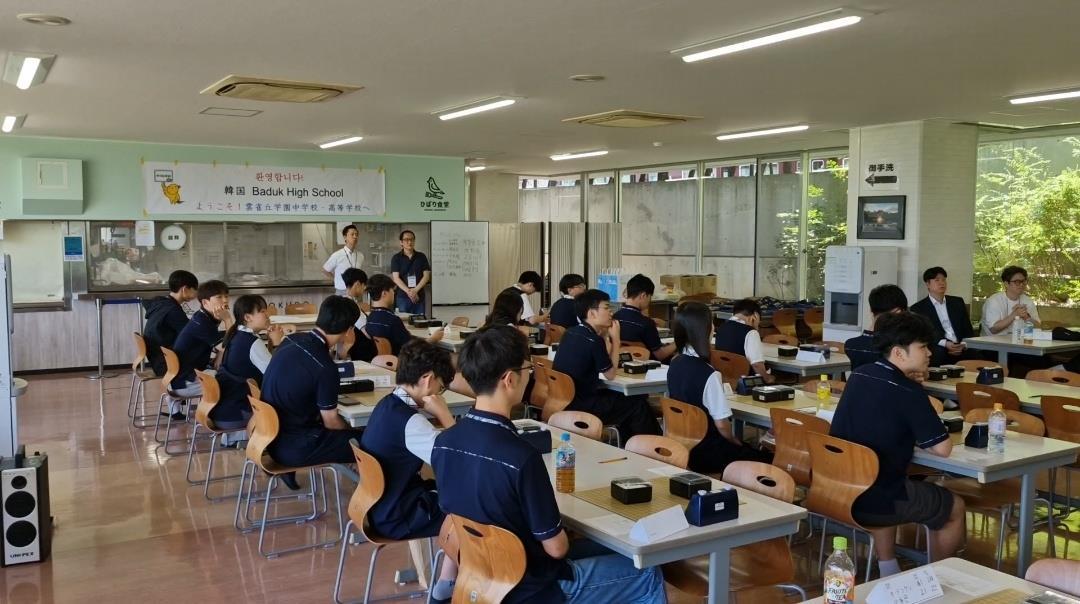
{"x": 1003, "y": 345}
{"x": 1030, "y": 393}
{"x": 654, "y": 382}
{"x": 356, "y": 408}
{"x": 836, "y": 364}
{"x": 302, "y": 322}
{"x": 760, "y": 517}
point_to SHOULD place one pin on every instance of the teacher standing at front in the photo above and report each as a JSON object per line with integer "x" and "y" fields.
{"x": 411, "y": 272}
{"x": 345, "y": 258}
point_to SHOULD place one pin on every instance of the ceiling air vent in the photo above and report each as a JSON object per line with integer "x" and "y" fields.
{"x": 626, "y": 118}
{"x": 286, "y": 91}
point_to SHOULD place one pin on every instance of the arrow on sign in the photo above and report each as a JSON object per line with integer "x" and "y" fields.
{"x": 880, "y": 178}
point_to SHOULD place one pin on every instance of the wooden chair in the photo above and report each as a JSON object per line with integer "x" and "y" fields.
{"x": 253, "y": 388}
{"x": 139, "y": 376}
{"x": 534, "y": 407}
{"x": 382, "y": 346}
{"x": 1000, "y": 497}
{"x": 660, "y": 323}
{"x": 560, "y": 392}
{"x": 1062, "y": 417}
{"x": 300, "y": 308}
{"x": 937, "y": 404}
{"x": 842, "y": 471}
{"x": 460, "y": 321}
{"x": 1059, "y": 575}
{"x": 660, "y": 448}
{"x": 784, "y": 322}
{"x": 491, "y": 561}
{"x": 730, "y": 365}
{"x": 265, "y": 430}
{"x": 386, "y": 361}
{"x": 211, "y": 395}
{"x": 792, "y": 454}
{"x": 271, "y": 310}
{"x": 640, "y": 353}
{"x": 685, "y": 423}
{"x": 553, "y": 334}
{"x": 1050, "y": 376}
{"x": 779, "y": 338}
{"x": 977, "y": 396}
{"x": 976, "y": 364}
{"x": 833, "y": 345}
{"x": 578, "y": 422}
{"x": 369, "y": 490}
{"x": 815, "y": 320}
{"x": 172, "y": 368}
{"x": 835, "y": 386}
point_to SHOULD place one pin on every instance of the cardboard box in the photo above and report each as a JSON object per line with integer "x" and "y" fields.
{"x": 687, "y": 284}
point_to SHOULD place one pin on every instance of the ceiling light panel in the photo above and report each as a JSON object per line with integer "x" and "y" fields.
{"x": 766, "y": 132}
{"x": 10, "y": 122}
{"x": 476, "y": 107}
{"x": 565, "y": 156}
{"x": 1059, "y": 95}
{"x": 341, "y": 141}
{"x": 772, "y": 34}
{"x": 26, "y": 69}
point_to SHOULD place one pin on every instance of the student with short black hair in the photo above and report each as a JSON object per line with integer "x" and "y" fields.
{"x": 884, "y": 409}
{"x": 634, "y": 321}
{"x": 197, "y": 340}
{"x": 1000, "y": 309}
{"x": 528, "y": 283}
{"x": 562, "y": 312}
{"x": 165, "y": 317}
{"x": 694, "y": 381}
{"x": 301, "y": 383}
{"x": 593, "y": 348}
{"x": 357, "y": 344}
{"x": 382, "y": 322}
{"x": 244, "y": 356}
{"x": 401, "y": 439}
{"x": 739, "y": 335}
{"x": 488, "y": 474}
{"x": 948, "y": 315}
{"x": 883, "y": 299}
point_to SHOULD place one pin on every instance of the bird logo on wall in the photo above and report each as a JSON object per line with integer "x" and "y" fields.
{"x": 171, "y": 191}
{"x": 433, "y": 191}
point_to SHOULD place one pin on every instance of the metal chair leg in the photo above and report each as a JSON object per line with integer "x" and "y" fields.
{"x": 131, "y": 395}
{"x": 371, "y": 572}
{"x": 436, "y": 566}
{"x": 341, "y": 562}
{"x": 266, "y": 521}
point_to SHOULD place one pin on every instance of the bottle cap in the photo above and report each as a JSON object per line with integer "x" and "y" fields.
{"x": 565, "y": 437}
{"x": 824, "y": 377}
{"x": 839, "y": 543}
{"x": 997, "y": 406}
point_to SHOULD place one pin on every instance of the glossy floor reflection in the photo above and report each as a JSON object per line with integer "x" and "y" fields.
{"x": 130, "y": 528}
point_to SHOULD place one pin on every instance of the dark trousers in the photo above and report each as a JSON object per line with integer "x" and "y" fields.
{"x": 630, "y": 414}
{"x": 314, "y": 448}
{"x": 714, "y": 453}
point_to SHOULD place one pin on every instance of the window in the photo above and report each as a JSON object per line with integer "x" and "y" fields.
{"x": 727, "y": 229}
{"x": 826, "y": 218}
{"x": 555, "y": 199}
{"x": 779, "y": 205}
{"x": 600, "y": 193}
{"x": 659, "y": 220}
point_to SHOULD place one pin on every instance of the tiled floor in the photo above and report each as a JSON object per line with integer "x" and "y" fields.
{"x": 130, "y": 529}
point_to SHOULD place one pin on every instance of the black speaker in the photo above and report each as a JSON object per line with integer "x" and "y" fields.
{"x": 24, "y": 508}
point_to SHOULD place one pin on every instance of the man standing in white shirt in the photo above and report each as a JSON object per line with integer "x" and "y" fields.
{"x": 948, "y": 315}
{"x": 345, "y": 258}
{"x": 1000, "y": 309}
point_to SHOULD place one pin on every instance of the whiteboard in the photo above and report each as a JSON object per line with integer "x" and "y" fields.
{"x": 459, "y": 262}
{"x": 843, "y": 269}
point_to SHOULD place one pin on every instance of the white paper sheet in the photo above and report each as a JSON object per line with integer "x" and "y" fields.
{"x": 912, "y": 587}
{"x": 612, "y": 524}
{"x": 965, "y": 583}
{"x": 658, "y": 375}
{"x": 667, "y": 470}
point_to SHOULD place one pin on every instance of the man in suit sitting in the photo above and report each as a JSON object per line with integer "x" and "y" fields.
{"x": 948, "y": 315}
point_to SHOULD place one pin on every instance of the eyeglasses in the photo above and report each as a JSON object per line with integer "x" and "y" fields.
{"x": 408, "y": 239}
{"x": 528, "y": 368}
{"x": 1019, "y": 281}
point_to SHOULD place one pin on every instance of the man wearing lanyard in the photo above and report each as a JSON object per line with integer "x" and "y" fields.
{"x": 346, "y": 257}
{"x": 410, "y": 271}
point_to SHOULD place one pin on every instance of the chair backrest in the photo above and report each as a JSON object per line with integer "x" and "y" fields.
{"x": 491, "y": 561}
{"x": 578, "y": 422}
{"x": 1068, "y": 378}
{"x": 369, "y": 490}
{"x": 1017, "y": 421}
{"x": 211, "y": 394}
{"x": 271, "y": 310}
{"x": 730, "y": 365}
{"x": 1062, "y": 417}
{"x": 266, "y": 430}
{"x": 172, "y": 368}
{"x": 660, "y": 448}
{"x": 253, "y": 388}
{"x": 979, "y": 396}
{"x": 460, "y": 321}
{"x": 640, "y": 353}
{"x": 977, "y": 364}
{"x": 386, "y": 361}
{"x": 560, "y": 392}
{"x": 937, "y": 404}
{"x": 287, "y": 328}
{"x": 684, "y": 422}
{"x": 1057, "y": 574}
{"x": 761, "y": 478}
{"x": 833, "y": 345}
{"x": 792, "y": 446}
{"x": 784, "y": 321}
{"x": 553, "y": 334}
{"x": 835, "y": 386}
{"x": 659, "y": 322}
{"x": 779, "y": 338}
{"x": 540, "y": 387}
{"x": 140, "y": 350}
{"x": 815, "y": 320}
{"x": 382, "y": 345}
{"x": 842, "y": 471}
{"x": 300, "y": 308}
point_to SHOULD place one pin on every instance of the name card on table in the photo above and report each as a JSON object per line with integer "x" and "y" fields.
{"x": 1042, "y": 334}
{"x": 659, "y": 525}
{"x": 809, "y": 356}
{"x": 912, "y": 587}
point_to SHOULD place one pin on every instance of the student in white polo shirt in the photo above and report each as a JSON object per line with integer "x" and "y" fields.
{"x": 345, "y": 258}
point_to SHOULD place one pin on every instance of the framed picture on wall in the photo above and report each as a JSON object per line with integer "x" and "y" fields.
{"x": 881, "y": 217}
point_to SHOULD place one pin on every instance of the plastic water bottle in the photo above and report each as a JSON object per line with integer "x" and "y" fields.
{"x": 1017, "y": 330}
{"x": 839, "y": 575}
{"x": 1029, "y": 332}
{"x": 824, "y": 393}
{"x": 997, "y": 426}
{"x": 565, "y": 460}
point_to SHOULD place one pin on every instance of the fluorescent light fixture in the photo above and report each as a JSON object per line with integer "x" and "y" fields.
{"x": 1046, "y": 96}
{"x": 562, "y": 156}
{"x": 753, "y": 133}
{"x": 27, "y": 69}
{"x": 772, "y": 34}
{"x": 473, "y": 108}
{"x": 475, "y": 168}
{"x": 11, "y": 122}
{"x": 342, "y": 141}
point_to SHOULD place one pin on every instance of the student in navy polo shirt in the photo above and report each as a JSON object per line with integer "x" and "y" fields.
{"x": 358, "y": 345}
{"x": 739, "y": 335}
{"x": 693, "y": 380}
{"x": 165, "y": 317}
{"x": 486, "y": 473}
{"x": 410, "y": 271}
{"x": 382, "y": 322}
{"x": 197, "y": 341}
{"x": 401, "y": 438}
{"x": 634, "y": 321}
{"x": 301, "y": 383}
{"x": 245, "y": 356}
{"x": 590, "y": 349}
{"x": 883, "y": 299}
{"x": 884, "y": 409}
{"x": 562, "y": 311}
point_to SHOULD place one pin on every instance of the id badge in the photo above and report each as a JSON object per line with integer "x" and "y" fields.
{"x": 411, "y": 280}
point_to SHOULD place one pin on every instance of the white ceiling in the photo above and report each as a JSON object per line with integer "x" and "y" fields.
{"x": 133, "y": 69}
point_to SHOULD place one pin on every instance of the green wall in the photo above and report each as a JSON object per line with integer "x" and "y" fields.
{"x": 113, "y": 188}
